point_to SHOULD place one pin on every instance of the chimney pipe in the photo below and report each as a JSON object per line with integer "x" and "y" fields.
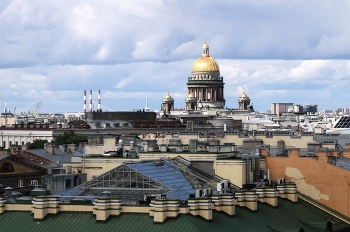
{"x": 90, "y": 100}
{"x": 99, "y": 102}
{"x": 84, "y": 102}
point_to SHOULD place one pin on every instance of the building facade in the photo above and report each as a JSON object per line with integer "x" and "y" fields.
{"x": 283, "y": 107}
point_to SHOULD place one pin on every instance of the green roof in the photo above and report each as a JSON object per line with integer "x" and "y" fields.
{"x": 287, "y": 216}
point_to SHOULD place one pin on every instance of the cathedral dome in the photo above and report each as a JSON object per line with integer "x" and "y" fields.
{"x": 191, "y": 98}
{"x": 168, "y": 98}
{"x": 205, "y": 63}
{"x": 243, "y": 97}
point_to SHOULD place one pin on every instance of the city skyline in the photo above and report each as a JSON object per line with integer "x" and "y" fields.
{"x": 275, "y": 51}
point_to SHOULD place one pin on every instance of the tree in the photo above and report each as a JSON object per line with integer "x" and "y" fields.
{"x": 70, "y": 137}
{"x": 37, "y": 144}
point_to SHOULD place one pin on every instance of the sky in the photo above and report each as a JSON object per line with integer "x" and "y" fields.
{"x": 275, "y": 50}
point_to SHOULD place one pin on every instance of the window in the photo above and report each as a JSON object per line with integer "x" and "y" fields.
{"x": 7, "y": 167}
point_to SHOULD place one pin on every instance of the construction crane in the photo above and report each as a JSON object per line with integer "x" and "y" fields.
{"x": 38, "y": 106}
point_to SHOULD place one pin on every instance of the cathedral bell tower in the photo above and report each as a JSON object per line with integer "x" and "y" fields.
{"x": 167, "y": 104}
{"x": 243, "y": 102}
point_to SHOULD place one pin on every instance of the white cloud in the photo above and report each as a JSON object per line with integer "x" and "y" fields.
{"x": 308, "y": 69}
{"x": 122, "y": 83}
{"x": 275, "y": 50}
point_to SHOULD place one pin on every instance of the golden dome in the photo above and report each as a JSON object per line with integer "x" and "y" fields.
{"x": 167, "y": 96}
{"x": 191, "y": 98}
{"x": 205, "y": 63}
{"x": 244, "y": 95}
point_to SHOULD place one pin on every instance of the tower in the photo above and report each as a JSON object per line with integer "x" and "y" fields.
{"x": 243, "y": 102}
{"x": 167, "y": 104}
{"x": 205, "y": 82}
{"x": 191, "y": 102}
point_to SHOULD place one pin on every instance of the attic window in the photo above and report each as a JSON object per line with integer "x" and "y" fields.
{"x": 7, "y": 167}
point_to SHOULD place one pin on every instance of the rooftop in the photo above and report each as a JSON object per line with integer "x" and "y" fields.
{"x": 287, "y": 217}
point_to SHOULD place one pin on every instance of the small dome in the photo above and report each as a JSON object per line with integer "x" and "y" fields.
{"x": 168, "y": 98}
{"x": 191, "y": 98}
{"x": 244, "y": 97}
{"x": 167, "y": 95}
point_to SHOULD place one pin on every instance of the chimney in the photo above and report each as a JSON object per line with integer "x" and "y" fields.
{"x": 99, "y": 102}
{"x": 90, "y": 100}
{"x": 84, "y": 102}
{"x": 50, "y": 149}
{"x": 71, "y": 148}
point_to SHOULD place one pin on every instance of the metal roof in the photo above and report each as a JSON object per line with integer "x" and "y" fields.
{"x": 288, "y": 216}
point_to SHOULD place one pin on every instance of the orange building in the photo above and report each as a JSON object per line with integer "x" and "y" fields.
{"x": 316, "y": 177}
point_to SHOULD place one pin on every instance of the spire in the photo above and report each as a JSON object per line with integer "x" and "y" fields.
{"x": 146, "y": 108}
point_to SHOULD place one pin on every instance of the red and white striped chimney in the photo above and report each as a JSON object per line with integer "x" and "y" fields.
{"x": 90, "y": 100}
{"x": 99, "y": 102}
{"x": 84, "y": 102}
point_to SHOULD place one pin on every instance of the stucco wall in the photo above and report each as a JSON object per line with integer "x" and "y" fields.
{"x": 234, "y": 170}
{"x": 314, "y": 177}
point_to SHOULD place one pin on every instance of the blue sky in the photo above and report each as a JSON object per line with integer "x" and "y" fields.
{"x": 277, "y": 51}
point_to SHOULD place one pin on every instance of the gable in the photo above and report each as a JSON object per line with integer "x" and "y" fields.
{"x": 11, "y": 166}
